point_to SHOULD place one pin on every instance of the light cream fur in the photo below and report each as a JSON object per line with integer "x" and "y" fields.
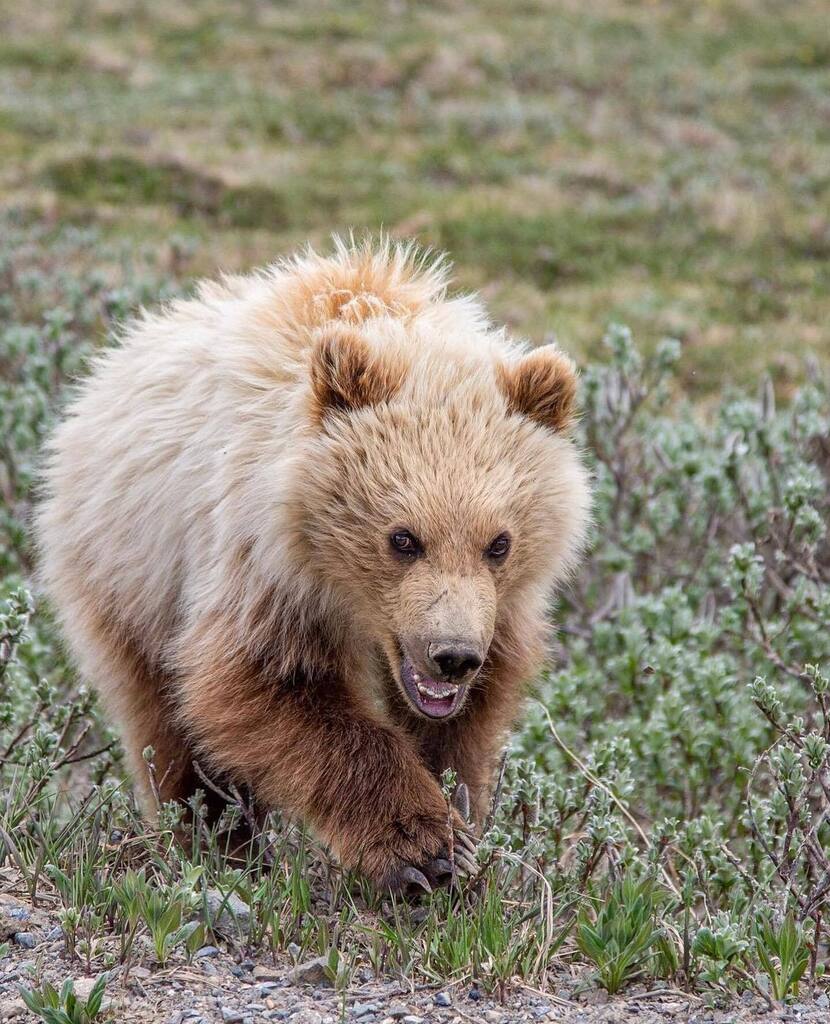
{"x": 200, "y": 477}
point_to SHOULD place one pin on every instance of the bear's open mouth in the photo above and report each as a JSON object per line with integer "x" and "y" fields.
{"x": 431, "y": 697}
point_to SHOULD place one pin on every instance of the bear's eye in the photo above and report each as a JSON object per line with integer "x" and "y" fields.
{"x": 405, "y": 543}
{"x": 499, "y": 547}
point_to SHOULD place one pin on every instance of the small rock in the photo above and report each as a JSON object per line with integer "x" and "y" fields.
{"x": 541, "y": 1011}
{"x": 25, "y": 939}
{"x": 564, "y": 993}
{"x": 54, "y": 934}
{"x": 410, "y": 1018}
{"x": 228, "y": 912}
{"x": 823, "y": 1000}
{"x": 8, "y": 1011}
{"x": 306, "y": 1017}
{"x": 312, "y": 972}
{"x": 493, "y": 1016}
{"x": 83, "y": 987}
{"x": 442, "y": 999}
{"x": 206, "y": 951}
{"x": 596, "y": 997}
{"x": 474, "y": 993}
{"x": 264, "y": 973}
{"x": 397, "y": 1009}
{"x": 17, "y": 916}
{"x": 230, "y": 1016}
{"x": 142, "y": 973}
{"x": 293, "y": 950}
{"x": 362, "y": 1009}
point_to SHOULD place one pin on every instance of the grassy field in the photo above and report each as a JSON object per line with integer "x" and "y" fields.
{"x": 660, "y": 164}
{"x": 664, "y": 817}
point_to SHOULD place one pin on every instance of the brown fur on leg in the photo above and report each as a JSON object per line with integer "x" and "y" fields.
{"x": 139, "y": 695}
{"x": 301, "y": 743}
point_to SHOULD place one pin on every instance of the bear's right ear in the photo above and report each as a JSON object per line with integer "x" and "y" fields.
{"x": 346, "y": 374}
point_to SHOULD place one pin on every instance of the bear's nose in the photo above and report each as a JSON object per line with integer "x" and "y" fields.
{"x": 453, "y": 660}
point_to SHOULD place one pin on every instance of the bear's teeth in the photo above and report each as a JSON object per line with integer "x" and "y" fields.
{"x": 426, "y": 691}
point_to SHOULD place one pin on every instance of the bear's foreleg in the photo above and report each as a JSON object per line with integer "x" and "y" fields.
{"x": 304, "y": 747}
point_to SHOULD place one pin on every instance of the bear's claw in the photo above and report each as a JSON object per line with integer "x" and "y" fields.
{"x": 461, "y": 800}
{"x": 464, "y": 850}
{"x": 439, "y": 871}
{"x": 444, "y": 869}
{"x": 410, "y": 876}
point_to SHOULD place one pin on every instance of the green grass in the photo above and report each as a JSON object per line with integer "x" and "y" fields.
{"x": 660, "y": 164}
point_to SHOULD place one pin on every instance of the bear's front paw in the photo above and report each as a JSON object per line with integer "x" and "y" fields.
{"x": 436, "y": 872}
{"x": 450, "y": 864}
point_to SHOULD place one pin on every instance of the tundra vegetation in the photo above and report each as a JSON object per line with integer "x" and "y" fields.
{"x": 664, "y": 811}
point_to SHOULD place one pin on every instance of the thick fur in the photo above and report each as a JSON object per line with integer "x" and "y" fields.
{"x": 214, "y": 535}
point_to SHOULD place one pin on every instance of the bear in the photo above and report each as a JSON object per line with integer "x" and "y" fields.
{"x": 301, "y": 531}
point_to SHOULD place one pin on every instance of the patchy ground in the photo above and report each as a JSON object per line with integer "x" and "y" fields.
{"x": 216, "y": 987}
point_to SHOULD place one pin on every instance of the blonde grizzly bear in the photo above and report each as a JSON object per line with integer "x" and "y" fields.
{"x": 303, "y": 529}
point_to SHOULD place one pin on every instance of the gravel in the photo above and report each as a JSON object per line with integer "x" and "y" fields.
{"x": 207, "y": 991}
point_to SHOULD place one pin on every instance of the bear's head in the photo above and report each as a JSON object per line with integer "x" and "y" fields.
{"x": 442, "y": 500}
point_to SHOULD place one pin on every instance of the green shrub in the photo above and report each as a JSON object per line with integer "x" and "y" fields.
{"x": 622, "y": 933}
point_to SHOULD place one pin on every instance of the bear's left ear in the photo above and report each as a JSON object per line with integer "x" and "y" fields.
{"x": 541, "y": 386}
{"x": 346, "y": 374}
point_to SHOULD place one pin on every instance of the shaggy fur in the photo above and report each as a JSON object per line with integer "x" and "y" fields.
{"x": 215, "y": 534}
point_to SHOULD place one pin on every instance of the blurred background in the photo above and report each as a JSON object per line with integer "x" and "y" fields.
{"x": 666, "y": 165}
